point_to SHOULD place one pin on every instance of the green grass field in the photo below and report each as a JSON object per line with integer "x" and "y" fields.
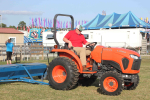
{"x": 27, "y": 91}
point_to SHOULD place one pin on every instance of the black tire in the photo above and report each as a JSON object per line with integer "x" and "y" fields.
{"x": 84, "y": 81}
{"x": 131, "y": 86}
{"x": 111, "y": 83}
{"x": 70, "y": 72}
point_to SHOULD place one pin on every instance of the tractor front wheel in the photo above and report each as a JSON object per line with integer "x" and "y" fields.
{"x": 111, "y": 83}
{"x": 62, "y": 73}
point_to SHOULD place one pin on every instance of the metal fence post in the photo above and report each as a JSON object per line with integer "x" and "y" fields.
{"x": 24, "y": 52}
{"x": 20, "y": 53}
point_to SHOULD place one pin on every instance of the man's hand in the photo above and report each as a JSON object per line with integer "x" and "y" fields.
{"x": 6, "y": 41}
{"x": 67, "y": 41}
{"x": 90, "y": 44}
{"x": 13, "y": 50}
{"x": 70, "y": 45}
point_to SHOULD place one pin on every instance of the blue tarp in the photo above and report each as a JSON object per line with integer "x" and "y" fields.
{"x": 117, "y": 20}
{"x": 27, "y": 40}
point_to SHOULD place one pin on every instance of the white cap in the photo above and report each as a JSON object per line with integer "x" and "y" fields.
{"x": 80, "y": 28}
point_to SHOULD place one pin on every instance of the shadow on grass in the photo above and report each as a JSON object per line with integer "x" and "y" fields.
{"x": 96, "y": 83}
{"x": 100, "y": 91}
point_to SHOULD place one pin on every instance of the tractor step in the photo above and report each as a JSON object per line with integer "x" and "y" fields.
{"x": 89, "y": 72}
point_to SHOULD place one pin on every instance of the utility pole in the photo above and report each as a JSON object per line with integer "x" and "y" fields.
{"x": 1, "y": 20}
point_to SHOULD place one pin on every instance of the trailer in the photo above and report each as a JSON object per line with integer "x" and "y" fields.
{"x": 23, "y": 73}
{"x": 127, "y": 38}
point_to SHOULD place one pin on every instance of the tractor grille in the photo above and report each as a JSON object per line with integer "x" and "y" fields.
{"x": 125, "y": 62}
{"x": 136, "y": 64}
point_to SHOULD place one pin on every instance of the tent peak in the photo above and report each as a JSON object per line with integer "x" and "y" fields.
{"x": 129, "y": 12}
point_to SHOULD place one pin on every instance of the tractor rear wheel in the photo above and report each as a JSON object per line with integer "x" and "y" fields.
{"x": 131, "y": 86}
{"x": 62, "y": 73}
{"x": 84, "y": 81}
{"x": 111, "y": 83}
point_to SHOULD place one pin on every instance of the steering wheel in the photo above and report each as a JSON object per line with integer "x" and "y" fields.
{"x": 91, "y": 46}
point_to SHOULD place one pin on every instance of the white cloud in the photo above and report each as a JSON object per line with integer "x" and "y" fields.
{"x": 8, "y": 12}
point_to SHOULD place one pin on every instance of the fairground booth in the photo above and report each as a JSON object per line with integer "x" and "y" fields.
{"x": 36, "y": 35}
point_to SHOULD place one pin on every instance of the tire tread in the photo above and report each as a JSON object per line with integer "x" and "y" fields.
{"x": 73, "y": 70}
{"x": 113, "y": 93}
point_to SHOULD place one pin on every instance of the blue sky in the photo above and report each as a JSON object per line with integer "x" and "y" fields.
{"x": 14, "y": 11}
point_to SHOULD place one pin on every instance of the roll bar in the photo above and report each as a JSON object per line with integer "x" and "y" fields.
{"x": 55, "y": 30}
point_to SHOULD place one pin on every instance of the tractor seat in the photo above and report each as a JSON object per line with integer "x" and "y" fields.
{"x": 65, "y": 46}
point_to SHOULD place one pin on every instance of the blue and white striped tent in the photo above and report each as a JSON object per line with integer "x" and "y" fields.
{"x": 116, "y": 20}
{"x": 27, "y": 40}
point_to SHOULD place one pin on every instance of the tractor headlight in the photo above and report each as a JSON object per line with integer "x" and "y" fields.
{"x": 134, "y": 57}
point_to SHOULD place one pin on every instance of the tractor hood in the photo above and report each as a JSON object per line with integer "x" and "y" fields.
{"x": 111, "y": 53}
{"x": 120, "y": 51}
{"x": 123, "y": 51}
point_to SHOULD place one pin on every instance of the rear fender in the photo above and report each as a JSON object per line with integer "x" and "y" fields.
{"x": 70, "y": 54}
{"x": 96, "y": 54}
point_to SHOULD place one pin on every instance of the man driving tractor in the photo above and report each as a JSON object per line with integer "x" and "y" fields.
{"x": 75, "y": 39}
{"x": 116, "y": 68}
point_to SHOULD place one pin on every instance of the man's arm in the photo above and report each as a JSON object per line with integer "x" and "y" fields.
{"x": 67, "y": 41}
{"x": 87, "y": 43}
{"x": 6, "y": 41}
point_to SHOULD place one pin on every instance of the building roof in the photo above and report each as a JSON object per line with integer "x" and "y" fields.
{"x": 10, "y": 31}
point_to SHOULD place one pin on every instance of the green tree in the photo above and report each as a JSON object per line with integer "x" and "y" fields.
{"x": 21, "y": 24}
{"x": 12, "y": 27}
{"x": 3, "y": 25}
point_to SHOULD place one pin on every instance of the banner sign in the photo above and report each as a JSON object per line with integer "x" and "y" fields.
{"x": 36, "y": 33}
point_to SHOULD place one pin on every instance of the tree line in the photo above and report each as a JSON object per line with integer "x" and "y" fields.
{"x": 21, "y": 24}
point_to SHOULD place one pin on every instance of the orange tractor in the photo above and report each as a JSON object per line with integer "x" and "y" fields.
{"x": 116, "y": 68}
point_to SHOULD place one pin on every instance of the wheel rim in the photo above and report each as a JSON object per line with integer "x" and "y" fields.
{"x": 59, "y": 74}
{"x": 110, "y": 84}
